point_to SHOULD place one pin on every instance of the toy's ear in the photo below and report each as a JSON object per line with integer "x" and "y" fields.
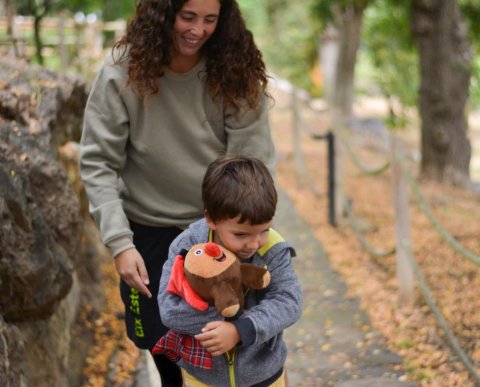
{"x": 254, "y": 277}
{"x": 179, "y": 285}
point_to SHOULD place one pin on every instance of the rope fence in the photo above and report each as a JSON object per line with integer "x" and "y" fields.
{"x": 354, "y": 223}
{"x": 358, "y": 163}
{"x": 300, "y": 125}
{"x": 442, "y": 323}
{"x": 422, "y": 203}
{"x": 407, "y": 265}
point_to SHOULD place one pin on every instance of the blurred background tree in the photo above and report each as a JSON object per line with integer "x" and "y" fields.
{"x": 283, "y": 30}
{"x": 411, "y": 52}
{"x": 445, "y": 52}
{"x": 378, "y": 48}
{"x": 392, "y": 58}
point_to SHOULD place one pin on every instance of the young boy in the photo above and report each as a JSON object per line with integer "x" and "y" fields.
{"x": 240, "y": 199}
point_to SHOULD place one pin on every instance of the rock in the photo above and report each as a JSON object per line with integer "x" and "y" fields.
{"x": 49, "y": 255}
{"x": 12, "y": 350}
{"x": 37, "y": 235}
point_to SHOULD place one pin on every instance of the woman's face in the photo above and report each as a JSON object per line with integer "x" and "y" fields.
{"x": 194, "y": 24}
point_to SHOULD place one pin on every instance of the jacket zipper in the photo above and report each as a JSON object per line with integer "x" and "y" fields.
{"x": 231, "y": 356}
{"x": 231, "y": 368}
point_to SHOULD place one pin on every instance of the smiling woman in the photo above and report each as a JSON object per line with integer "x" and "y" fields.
{"x": 194, "y": 25}
{"x": 185, "y": 85}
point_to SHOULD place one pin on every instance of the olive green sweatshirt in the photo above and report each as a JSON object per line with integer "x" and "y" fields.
{"x": 144, "y": 159}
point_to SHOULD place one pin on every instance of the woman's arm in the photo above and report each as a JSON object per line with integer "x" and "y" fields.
{"x": 103, "y": 156}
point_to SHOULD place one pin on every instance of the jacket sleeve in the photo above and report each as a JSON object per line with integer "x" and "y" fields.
{"x": 281, "y": 306}
{"x": 175, "y": 312}
{"x": 249, "y": 134}
{"x": 103, "y": 155}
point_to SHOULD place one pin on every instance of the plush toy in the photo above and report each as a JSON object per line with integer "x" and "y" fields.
{"x": 209, "y": 274}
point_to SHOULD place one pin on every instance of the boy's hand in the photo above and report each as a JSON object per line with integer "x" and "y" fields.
{"x": 131, "y": 267}
{"x": 218, "y": 337}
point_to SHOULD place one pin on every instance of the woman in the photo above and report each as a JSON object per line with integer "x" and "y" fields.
{"x": 185, "y": 85}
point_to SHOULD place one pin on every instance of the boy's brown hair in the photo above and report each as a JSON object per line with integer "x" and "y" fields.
{"x": 239, "y": 186}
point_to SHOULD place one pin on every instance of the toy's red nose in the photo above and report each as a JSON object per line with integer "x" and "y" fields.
{"x": 213, "y": 250}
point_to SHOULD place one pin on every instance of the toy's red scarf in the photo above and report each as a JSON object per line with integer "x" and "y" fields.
{"x": 179, "y": 285}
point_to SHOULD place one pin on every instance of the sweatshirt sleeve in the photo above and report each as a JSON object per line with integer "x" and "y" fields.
{"x": 175, "y": 313}
{"x": 249, "y": 134}
{"x": 103, "y": 155}
{"x": 281, "y": 306}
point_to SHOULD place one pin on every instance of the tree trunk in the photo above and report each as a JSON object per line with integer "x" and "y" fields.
{"x": 445, "y": 68}
{"x": 37, "y": 37}
{"x": 328, "y": 50}
{"x": 9, "y": 10}
{"x": 350, "y": 30}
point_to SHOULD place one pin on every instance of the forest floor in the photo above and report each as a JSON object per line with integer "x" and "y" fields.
{"x": 410, "y": 331}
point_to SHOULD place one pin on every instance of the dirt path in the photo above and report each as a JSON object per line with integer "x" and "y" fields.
{"x": 334, "y": 343}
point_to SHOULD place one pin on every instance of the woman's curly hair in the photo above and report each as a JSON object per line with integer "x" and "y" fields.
{"x": 235, "y": 69}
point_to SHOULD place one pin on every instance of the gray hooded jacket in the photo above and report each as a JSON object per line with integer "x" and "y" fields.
{"x": 262, "y": 351}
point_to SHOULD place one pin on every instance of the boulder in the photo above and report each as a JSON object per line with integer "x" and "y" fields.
{"x": 49, "y": 255}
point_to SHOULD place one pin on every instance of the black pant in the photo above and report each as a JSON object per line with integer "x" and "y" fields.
{"x": 142, "y": 316}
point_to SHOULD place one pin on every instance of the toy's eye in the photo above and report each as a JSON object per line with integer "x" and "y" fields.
{"x": 198, "y": 252}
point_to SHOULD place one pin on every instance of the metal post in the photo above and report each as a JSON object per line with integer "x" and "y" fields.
{"x": 330, "y": 137}
{"x": 331, "y": 178}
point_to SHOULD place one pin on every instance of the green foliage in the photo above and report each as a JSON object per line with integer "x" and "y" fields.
{"x": 389, "y": 46}
{"x": 471, "y": 13}
{"x": 117, "y": 9}
{"x": 324, "y": 11}
{"x": 255, "y": 17}
{"x": 109, "y": 9}
{"x": 35, "y": 7}
{"x": 85, "y": 6}
{"x": 475, "y": 83}
{"x": 285, "y": 34}
{"x": 388, "y": 41}
{"x": 32, "y": 7}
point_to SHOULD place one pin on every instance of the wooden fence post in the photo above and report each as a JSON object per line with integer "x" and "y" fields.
{"x": 63, "y": 50}
{"x": 402, "y": 224}
{"x": 98, "y": 40}
{"x": 78, "y": 45}
{"x": 89, "y": 40}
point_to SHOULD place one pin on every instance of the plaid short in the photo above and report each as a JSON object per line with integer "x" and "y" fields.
{"x": 177, "y": 346}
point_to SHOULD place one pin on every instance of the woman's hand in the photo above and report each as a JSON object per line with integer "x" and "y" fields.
{"x": 131, "y": 267}
{"x": 218, "y": 337}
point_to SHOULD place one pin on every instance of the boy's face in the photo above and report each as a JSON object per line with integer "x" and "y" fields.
{"x": 242, "y": 239}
